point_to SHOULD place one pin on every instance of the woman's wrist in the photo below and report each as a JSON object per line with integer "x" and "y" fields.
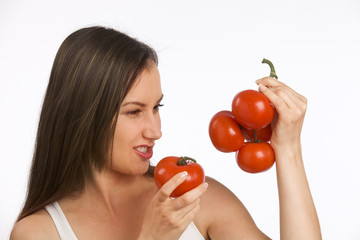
{"x": 287, "y": 153}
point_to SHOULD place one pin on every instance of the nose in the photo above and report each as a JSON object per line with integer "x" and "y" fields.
{"x": 152, "y": 128}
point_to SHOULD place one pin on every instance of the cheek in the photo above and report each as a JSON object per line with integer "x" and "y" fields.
{"x": 122, "y": 138}
{"x": 125, "y": 136}
{"x": 120, "y": 150}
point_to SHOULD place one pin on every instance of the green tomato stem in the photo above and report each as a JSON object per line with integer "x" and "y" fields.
{"x": 255, "y": 136}
{"x": 183, "y": 161}
{"x": 272, "y": 68}
{"x": 246, "y": 135}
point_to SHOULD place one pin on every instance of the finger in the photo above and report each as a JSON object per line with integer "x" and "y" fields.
{"x": 288, "y": 108}
{"x": 188, "y": 208}
{"x": 166, "y": 190}
{"x": 277, "y": 101}
{"x": 295, "y": 95}
{"x": 269, "y": 82}
{"x": 290, "y": 97}
{"x": 185, "y": 215}
{"x": 299, "y": 97}
{"x": 190, "y": 213}
{"x": 280, "y": 86}
{"x": 180, "y": 219}
{"x": 190, "y": 196}
{"x": 272, "y": 82}
{"x": 286, "y": 95}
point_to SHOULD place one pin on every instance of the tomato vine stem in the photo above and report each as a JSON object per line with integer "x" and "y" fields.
{"x": 183, "y": 161}
{"x": 255, "y": 136}
{"x": 272, "y": 68}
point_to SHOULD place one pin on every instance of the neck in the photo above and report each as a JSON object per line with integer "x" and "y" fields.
{"x": 113, "y": 190}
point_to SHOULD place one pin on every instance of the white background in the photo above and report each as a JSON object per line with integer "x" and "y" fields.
{"x": 209, "y": 51}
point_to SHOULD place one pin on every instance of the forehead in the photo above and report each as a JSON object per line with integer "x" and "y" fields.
{"x": 146, "y": 85}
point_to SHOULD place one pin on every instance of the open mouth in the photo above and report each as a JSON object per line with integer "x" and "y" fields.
{"x": 144, "y": 152}
{"x": 142, "y": 149}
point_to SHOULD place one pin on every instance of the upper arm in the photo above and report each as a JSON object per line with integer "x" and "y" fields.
{"x": 225, "y": 215}
{"x": 36, "y": 226}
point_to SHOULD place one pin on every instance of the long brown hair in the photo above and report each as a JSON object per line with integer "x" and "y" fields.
{"x": 93, "y": 71}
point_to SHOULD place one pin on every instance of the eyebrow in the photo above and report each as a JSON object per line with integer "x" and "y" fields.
{"x": 140, "y": 103}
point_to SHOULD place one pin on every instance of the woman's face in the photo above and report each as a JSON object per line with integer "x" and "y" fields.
{"x": 138, "y": 125}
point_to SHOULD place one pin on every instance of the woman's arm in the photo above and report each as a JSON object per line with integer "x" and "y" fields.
{"x": 298, "y": 217}
{"x": 223, "y": 216}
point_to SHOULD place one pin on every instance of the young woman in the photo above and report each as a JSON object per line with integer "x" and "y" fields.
{"x": 91, "y": 178}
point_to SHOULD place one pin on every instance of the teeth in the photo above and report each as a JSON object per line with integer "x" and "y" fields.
{"x": 142, "y": 149}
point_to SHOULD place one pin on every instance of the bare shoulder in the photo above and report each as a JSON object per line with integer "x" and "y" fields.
{"x": 38, "y": 225}
{"x": 224, "y": 216}
{"x": 217, "y": 190}
{"x": 221, "y": 200}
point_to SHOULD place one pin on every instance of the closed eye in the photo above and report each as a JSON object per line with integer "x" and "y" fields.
{"x": 133, "y": 112}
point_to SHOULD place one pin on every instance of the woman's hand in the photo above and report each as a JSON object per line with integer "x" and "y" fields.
{"x": 290, "y": 112}
{"x": 167, "y": 218}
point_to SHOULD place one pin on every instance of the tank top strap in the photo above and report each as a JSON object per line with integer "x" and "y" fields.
{"x": 62, "y": 225}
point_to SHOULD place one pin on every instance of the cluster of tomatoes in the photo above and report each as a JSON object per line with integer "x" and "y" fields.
{"x": 246, "y": 130}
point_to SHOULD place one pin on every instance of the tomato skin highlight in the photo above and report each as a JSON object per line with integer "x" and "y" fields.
{"x": 168, "y": 167}
{"x": 252, "y": 109}
{"x": 225, "y": 132}
{"x": 255, "y": 157}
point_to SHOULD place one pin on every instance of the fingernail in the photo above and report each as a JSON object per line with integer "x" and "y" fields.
{"x": 183, "y": 174}
{"x": 258, "y": 81}
{"x": 206, "y": 185}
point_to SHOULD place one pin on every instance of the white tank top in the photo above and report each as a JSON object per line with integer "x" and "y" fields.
{"x": 66, "y": 233}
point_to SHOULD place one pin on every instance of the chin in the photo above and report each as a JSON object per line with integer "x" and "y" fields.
{"x": 141, "y": 170}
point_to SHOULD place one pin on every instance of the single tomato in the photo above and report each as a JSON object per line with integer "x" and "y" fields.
{"x": 170, "y": 166}
{"x": 252, "y": 109}
{"x": 261, "y": 135}
{"x": 225, "y": 132}
{"x": 255, "y": 157}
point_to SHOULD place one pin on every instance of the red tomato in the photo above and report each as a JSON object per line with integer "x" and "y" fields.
{"x": 262, "y": 135}
{"x": 170, "y": 166}
{"x": 225, "y": 133}
{"x": 252, "y": 109}
{"x": 255, "y": 157}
